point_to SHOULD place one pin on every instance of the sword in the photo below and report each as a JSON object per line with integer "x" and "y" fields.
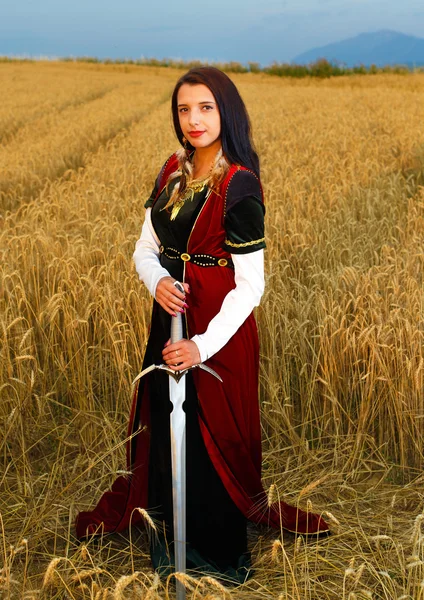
{"x": 178, "y": 447}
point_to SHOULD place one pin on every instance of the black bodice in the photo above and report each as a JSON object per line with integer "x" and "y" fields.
{"x": 175, "y": 233}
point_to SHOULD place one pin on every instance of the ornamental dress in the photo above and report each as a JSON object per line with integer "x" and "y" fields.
{"x": 223, "y": 437}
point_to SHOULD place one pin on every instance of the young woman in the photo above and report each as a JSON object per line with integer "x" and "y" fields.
{"x": 204, "y": 226}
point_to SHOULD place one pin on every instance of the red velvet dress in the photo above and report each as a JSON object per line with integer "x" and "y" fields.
{"x": 223, "y": 426}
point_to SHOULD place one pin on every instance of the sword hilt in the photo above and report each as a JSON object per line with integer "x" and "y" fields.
{"x": 176, "y": 336}
{"x": 177, "y": 322}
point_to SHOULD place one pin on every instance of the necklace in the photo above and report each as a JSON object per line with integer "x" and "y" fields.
{"x": 193, "y": 187}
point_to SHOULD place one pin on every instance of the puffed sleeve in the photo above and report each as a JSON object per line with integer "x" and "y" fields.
{"x": 244, "y": 217}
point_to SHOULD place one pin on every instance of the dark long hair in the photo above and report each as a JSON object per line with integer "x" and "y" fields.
{"x": 236, "y": 137}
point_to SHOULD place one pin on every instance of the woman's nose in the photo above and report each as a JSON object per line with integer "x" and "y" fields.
{"x": 194, "y": 118}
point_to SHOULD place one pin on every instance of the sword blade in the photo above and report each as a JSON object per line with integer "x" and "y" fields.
{"x": 177, "y": 394}
{"x": 178, "y": 457}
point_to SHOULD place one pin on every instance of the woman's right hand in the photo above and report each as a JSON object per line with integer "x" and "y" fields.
{"x": 169, "y": 297}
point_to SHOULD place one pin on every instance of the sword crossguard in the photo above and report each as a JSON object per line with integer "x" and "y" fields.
{"x": 177, "y": 375}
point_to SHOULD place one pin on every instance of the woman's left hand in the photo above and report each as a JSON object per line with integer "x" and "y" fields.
{"x": 181, "y": 355}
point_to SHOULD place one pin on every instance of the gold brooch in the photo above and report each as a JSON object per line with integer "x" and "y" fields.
{"x": 193, "y": 187}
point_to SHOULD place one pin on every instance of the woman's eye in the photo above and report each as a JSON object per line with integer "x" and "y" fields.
{"x": 208, "y": 107}
{"x": 182, "y": 110}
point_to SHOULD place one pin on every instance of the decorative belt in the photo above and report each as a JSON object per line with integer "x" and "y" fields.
{"x": 201, "y": 260}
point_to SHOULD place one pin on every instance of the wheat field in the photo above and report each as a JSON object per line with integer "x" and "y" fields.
{"x": 341, "y": 327}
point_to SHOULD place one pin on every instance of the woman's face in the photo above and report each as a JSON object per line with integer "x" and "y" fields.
{"x": 199, "y": 116}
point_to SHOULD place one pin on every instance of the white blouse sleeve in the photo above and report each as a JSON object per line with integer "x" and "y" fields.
{"x": 237, "y": 304}
{"x": 146, "y": 256}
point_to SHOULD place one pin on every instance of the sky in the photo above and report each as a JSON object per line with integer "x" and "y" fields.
{"x": 220, "y": 30}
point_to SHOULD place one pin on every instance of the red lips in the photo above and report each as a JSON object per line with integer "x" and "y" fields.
{"x": 196, "y": 133}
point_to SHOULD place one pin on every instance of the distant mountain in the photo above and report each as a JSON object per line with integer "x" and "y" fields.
{"x": 380, "y": 48}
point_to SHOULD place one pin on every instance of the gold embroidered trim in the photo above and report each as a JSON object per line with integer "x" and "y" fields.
{"x": 244, "y": 244}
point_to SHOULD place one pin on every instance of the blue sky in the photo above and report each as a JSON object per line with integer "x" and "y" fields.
{"x": 243, "y": 30}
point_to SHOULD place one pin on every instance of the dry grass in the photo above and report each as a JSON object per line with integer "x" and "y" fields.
{"x": 341, "y": 326}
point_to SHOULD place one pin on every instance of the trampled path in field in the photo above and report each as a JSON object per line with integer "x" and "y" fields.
{"x": 59, "y": 137}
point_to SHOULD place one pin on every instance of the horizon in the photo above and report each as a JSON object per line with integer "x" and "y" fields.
{"x": 245, "y": 65}
{"x": 123, "y": 60}
{"x": 275, "y": 31}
